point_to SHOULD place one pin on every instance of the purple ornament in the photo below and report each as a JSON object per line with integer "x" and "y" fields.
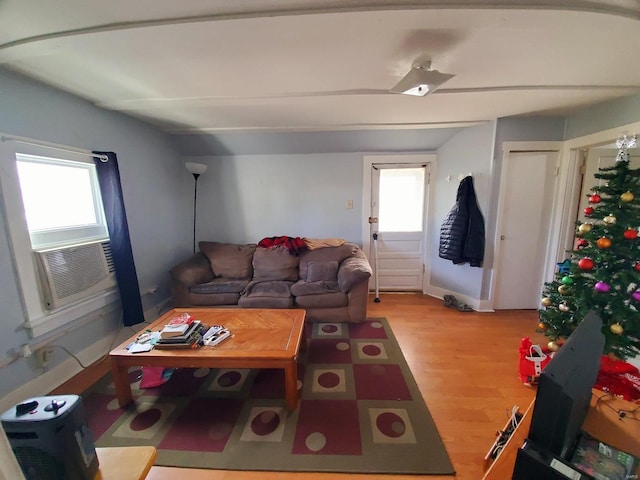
{"x": 636, "y": 295}
{"x": 602, "y": 287}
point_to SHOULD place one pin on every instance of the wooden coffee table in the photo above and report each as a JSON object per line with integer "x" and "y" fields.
{"x": 261, "y": 338}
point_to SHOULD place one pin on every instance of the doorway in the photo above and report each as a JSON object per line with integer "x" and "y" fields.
{"x": 528, "y": 183}
{"x": 396, "y": 211}
{"x": 597, "y": 158}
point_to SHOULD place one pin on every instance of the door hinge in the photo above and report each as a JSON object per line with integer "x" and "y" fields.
{"x": 373, "y": 219}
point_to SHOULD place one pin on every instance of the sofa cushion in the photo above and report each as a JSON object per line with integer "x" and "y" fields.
{"x": 322, "y": 255}
{"x": 266, "y": 294}
{"x": 322, "y": 271}
{"x": 229, "y": 260}
{"x": 265, "y": 302}
{"x": 213, "y": 299}
{"x": 221, "y": 285}
{"x": 354, "y": 270}
{"x": 271, "y": 288}
{"x": 301, "y": 288}
{"x": 328, "y": 300}
{"x": 274, "y": 264}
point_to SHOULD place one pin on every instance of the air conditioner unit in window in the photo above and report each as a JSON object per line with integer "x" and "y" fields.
{"x": 73, "y": 273}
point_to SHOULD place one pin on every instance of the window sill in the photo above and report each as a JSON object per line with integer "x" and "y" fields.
{"x": 63, "y": 316}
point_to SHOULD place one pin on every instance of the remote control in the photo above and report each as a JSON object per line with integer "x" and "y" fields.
{"x": 216, "y": 339}
{"x": 212, "y": 331}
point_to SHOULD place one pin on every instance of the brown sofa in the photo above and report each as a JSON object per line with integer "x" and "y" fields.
{"x": 331, "y": 283}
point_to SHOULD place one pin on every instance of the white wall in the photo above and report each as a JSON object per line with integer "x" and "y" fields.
{"x": 470, "y": 151}
{"x": 156, "y": 190}
{"x": 246, "y": 198}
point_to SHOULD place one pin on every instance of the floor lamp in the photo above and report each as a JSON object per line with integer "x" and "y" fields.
{"x": 196, "y": 169}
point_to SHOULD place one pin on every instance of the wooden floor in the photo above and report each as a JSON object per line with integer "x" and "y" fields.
{"x": 465, "y": 364}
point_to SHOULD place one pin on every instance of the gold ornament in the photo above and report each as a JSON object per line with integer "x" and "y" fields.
{"x": 546, "y": 301}
{"x": 542, "y": 326}
{"x": 553, "y": 346}
{"x": 627, "y": 197}
{"x": 563, "y": 289}
{"x": 616, "y": 328}
{"x": 585, "y": 228}
{"x": 610, "y": 219}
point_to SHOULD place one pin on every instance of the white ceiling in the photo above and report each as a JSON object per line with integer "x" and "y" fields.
{"x": 296, "y": 65}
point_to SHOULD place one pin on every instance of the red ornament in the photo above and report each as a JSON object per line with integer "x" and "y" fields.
{"x": 595, "y": 198}
{"x": 637, "y": 266}
{"x": 588, "y": 210}
{"x": 630, "y": 234}
{"x": 581, "y": 243}
{"x": 585, "y": 264}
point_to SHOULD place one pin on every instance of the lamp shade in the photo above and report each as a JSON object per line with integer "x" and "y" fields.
{"x": 420, "y": 81}
{"x": 195, "y": 168}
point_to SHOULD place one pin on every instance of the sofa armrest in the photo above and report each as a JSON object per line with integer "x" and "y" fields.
{"x": 196, "y": 269}
{"x": 353, "y": 270}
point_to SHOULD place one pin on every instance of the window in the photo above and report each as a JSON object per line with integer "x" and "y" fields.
{"x": 401, "y": 199}
{"x": 61, "y": 201}
{"x": 52, "y": 200}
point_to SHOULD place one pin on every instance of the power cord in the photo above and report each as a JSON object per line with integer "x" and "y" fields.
{"x": 503, "y": 435}
{"x": 103, "y": 357}
{"x": 622, "y": 414}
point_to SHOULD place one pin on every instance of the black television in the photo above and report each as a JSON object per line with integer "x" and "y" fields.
{"x": 563, "y": 397}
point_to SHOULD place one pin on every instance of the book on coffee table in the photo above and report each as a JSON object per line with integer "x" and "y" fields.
{"x": 192, "y": 335}
{"x": 177, "y": 326}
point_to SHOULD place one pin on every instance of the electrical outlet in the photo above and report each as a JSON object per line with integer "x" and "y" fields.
{"x": 44, "y": 356}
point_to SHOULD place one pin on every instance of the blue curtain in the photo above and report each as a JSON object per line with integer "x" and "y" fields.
{"x": 111, "y": 190}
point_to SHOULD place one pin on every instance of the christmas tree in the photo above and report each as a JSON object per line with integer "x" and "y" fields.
{"x": 602, "y": 273}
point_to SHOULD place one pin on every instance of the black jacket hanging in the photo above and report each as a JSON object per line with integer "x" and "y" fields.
{"x": 462, "y": 231}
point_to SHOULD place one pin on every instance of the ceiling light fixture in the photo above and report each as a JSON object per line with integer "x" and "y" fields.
{"x": 420, "y": 80}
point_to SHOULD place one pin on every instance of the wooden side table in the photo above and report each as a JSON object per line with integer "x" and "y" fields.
{"x": 125, "y": 463}
{"x": 603, "y": 422}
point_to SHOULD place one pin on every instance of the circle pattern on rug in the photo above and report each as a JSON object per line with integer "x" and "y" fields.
{"x": 371, "y": 350}
{"x": 316, "y": 441}
{"x": 201, "y": 372}
{"x": 229, "y": 379}
{"x": 342, "y": 346}
{"x": 113, "y": 405}
{"x": 265, "y": 424}
{"x": 328, "y": 380}
{"x": 146, "y": 422}
{"x": 145, "y": 419}
{"x": 391, "y": 426}
{"x": 329, "y": 330}
{"x": 220, "y": 430}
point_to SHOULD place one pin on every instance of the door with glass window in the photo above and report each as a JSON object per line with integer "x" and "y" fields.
{"x": 398, "y": 194}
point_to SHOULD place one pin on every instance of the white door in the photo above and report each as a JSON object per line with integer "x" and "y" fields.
{"x": 398, "y": 204}
{"x": 527, "y": 189}
{"x": 598, "y": 158}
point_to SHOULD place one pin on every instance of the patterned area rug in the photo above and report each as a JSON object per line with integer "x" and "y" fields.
{"x": 360, "y": 412}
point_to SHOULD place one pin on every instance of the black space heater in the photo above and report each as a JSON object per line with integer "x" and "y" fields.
{"x": 50, "y": 438}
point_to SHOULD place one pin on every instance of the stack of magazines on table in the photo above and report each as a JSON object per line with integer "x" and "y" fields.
{"x": 183, "y": 331}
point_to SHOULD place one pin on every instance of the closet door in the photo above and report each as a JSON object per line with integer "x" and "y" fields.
{"x": 528, "y": 185}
